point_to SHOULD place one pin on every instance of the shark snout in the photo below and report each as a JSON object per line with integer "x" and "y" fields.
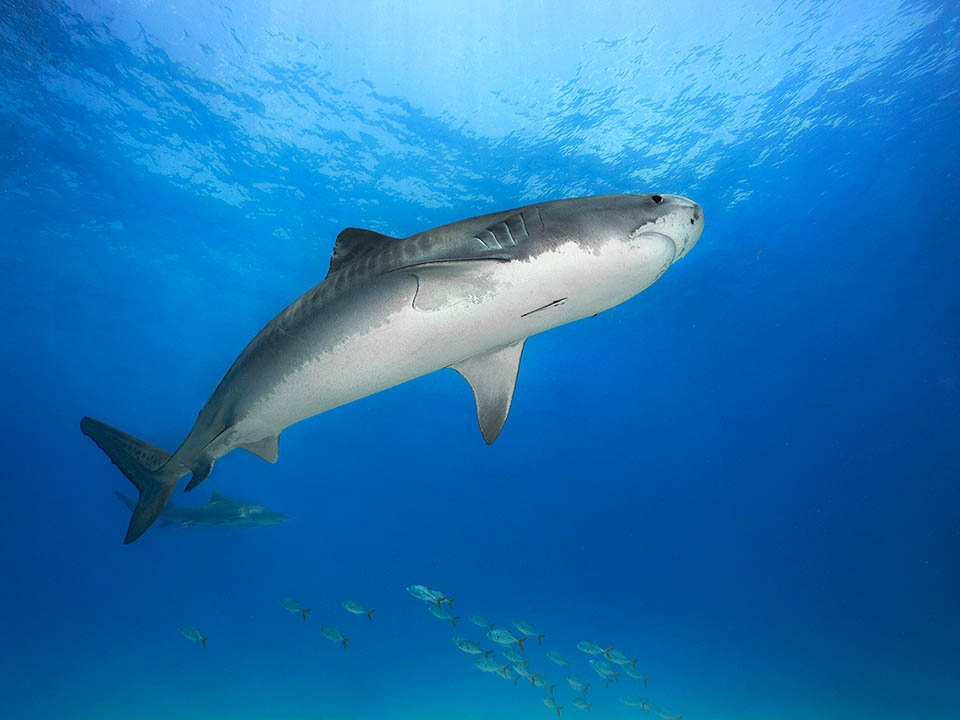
{"x": 691, "y": 222}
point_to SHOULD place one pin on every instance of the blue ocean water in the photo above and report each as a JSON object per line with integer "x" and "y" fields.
{"x": 745, "y": 477}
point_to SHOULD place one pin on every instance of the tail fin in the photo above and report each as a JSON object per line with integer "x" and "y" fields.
{"x": 454, "y": 620}
{"x": 559, "y": 708}
{"x": 370, "y": 614}
{"x": 520, "y": 643}
{"x": 142, "y": 463}
{"x": 203, "y": 641}
{"x": 345, "y": 643}
{"x": 588, "y": 706}
{"x": 304, "y": 612}
{"x": 540, "y": 639}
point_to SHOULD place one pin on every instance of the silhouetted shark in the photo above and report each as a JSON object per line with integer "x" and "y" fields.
{"x": 219, "y": 512}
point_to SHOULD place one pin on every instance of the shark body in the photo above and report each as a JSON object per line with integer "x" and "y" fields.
{"x": 464, "y": 296}
{"x": 221, "y": 511}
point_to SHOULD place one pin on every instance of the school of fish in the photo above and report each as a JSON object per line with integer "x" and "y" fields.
{"x": 508, "y": 653}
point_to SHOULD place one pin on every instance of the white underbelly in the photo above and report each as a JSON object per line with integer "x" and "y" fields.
{"x": 457, "y": 313}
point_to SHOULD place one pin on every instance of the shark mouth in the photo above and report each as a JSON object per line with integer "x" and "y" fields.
{"x": 678, "y": 252}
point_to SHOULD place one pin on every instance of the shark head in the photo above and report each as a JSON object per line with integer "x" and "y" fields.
{"x": 627, "y": 221}
{"x": 256, "y": 515}
{"x": 596, "y": 252}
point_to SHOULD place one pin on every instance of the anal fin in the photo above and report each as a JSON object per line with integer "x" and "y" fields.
{"x": 492, "y": 376}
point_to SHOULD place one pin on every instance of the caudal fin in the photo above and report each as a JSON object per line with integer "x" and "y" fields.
{"x": 203, "y": 641}
{"x": 304, "y": 612}
{"x": 370, "y": 614}
{"x": 142, "y": 463}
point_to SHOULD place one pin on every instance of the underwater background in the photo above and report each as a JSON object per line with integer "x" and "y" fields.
{"x": 745, "y": 477}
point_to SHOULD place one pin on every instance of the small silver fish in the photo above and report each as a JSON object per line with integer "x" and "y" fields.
{"x": 577, "y": 684}
{"x": 539, "y": 680}
{"x": 334, "y": 635}
{"x": 441, "y": 614}
{"x": 590, "y": 648}
{"x": 666, "y": 713}
{"x": 191, "y": 633}
{"x": 548, "y": 701}
{"x": 617, "y": 657}
{"x": 581, "y": 703}
{"x": 526, "y": 628}
{"x": 631, "y": 670}
{"x": 520, "y": 669}
{"x": 633, "y": 701}
{"x": 428, "y": 594}
{"x": 481, "y": 621}
{"x": 357, "y": 609}
{"x": 603, "y": 670}
{"x": 512, "y": 655}
{"x": 291, "y": 605}
{"x": 505, "y": 637}
{"x": 557, "y": 658}
{"x": 470, "y": 646}
{"x": 487, "y": 664}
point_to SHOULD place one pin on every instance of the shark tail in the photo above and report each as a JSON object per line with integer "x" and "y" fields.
{"x": 142, "y": 464}
{"x": 203, "y": 641}
{"x": 370, "y": 614}
{"x": 304, "y": 614}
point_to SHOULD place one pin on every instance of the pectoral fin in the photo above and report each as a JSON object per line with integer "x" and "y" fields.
{"x": 493, "y": 377}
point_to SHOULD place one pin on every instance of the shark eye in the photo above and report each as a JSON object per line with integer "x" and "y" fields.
{"x": 657, "y": 199}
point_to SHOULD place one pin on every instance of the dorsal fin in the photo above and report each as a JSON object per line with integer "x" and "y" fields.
{"x": 356, "y": 243}
{"x": 218, "y": 497}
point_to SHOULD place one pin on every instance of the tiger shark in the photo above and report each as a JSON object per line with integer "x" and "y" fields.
{"x": 221, "y": 511}
{"x": 464, "y": 296}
